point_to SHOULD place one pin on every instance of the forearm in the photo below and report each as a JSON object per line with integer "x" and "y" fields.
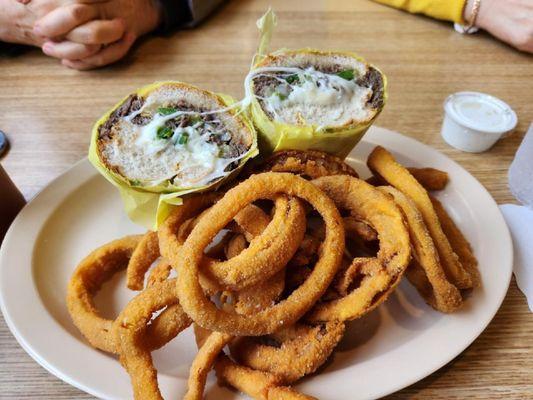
{"x": 449, "y": 10}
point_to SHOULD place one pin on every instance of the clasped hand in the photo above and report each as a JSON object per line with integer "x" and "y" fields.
{"x": 83, "y": 34}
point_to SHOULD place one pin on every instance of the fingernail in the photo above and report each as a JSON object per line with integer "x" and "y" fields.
{"x": 47, "y": 48}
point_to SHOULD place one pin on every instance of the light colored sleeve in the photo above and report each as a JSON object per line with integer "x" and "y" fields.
{"x": 200, "y": 9}
{"x": 449, "y": 10}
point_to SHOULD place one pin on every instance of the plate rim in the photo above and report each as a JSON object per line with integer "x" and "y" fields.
{"x": 376, "y": 135}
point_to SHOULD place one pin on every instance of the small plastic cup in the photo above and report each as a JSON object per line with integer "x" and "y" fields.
{"x": 474, "y": 121}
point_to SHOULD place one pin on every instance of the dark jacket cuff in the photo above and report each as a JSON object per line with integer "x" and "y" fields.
{"x": 175, "y": 13}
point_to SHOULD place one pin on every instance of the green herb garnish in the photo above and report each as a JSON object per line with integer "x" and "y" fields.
{"x": 347, "y": 74}
{"x": 281, "y": 96}
{"x": 135, "y": 182}
{"x": 195, "y": 119}
{"x": 164, "y": 132}
{"x": 184, "y": 138}
{"x": 166, "y": 110}
{"x": 292, "y": 78}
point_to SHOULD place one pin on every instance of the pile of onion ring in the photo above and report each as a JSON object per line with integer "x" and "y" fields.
{"x": 274, "y": 268}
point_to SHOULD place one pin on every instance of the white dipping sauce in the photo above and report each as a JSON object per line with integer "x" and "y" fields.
{"x": 474, "y": 121}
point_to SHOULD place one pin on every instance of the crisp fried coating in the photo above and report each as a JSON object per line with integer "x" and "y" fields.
{"x": 292, "y": 352}
{"x": 432, "y": 284}
{"x": 382, "y": 163}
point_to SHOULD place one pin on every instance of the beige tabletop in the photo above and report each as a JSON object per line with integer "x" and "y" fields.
{"x": 47, "y": 112}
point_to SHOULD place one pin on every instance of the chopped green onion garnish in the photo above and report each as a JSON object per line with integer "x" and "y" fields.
{"x": 281, "y": 96}
{"x": 135, "y": 182}
{"x": 292, "y": 78}
{"x": 166, "y": 110}
{"x": 195, "y": 119}
{"x": 184, "y": 138}
{"x": 164, "y": 132}
{"x": 347, "y": 74}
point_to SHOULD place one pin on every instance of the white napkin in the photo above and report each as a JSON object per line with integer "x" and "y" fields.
{"x": 520, "y": 218}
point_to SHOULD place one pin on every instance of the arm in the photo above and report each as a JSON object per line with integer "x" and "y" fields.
{"x": 509, "y": 20}
{"x": 449, "y": 10}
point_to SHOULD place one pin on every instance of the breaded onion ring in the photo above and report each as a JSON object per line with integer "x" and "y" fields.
{"x": 435, "y": 288}
{"x": 310, "y": 164}
{"x": 203, "y": 363}
{"x": 375, "y": 285}
{"x": 459, "y": 244}
{"x": 273, "y": 245}
{"x": 142, "y": 258}
{"x": 159, "y": 273}
{"x": 256, "y": 384}
{"x": 354, "y": 226}
{"x": 130, "y": 331}
{"x": 252, "y": 221}
{"x": 292, "y": 352}
{"x": 204, "y": 312}
{"x": 90, "y": 275}
{"x": 380, "y": 212}
{"x": 382, "y": 163}
{"x": 430, "y": 178}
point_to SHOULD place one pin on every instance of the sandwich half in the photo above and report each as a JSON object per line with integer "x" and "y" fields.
{"x": 309, "y": 99}
{"x": 169, "y": 139}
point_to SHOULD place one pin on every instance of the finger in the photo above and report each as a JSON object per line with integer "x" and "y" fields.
{"x": 98, "y": 32}
{"x": 106, "y": 56}
{"x": 69, "y": 50}
{"x": 63, "y": 19}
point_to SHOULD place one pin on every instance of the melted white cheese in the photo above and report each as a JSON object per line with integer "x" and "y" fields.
{"x": 314, "y": 98}
{"x": 142, "y": 155}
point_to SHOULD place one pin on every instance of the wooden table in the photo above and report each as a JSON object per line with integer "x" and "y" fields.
{"x": 48, "y": 111}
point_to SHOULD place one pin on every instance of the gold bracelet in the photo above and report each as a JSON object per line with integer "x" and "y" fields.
{"x": 471, "y": 27}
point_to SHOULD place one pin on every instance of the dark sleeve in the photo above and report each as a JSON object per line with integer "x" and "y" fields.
{"x": 185, "y": 13}
{"x": 176, "y": 13}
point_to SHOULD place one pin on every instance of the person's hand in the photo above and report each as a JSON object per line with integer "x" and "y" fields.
{"x": 97, "y": 32}
{"x": 17, "y": 20}
{"x": 509, "y": 20}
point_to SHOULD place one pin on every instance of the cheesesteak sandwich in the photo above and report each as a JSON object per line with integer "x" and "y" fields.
{"x": 169, "y": 139}
{"x": 309, "y": 99}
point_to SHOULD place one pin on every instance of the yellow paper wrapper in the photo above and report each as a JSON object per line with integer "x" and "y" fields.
{"x": 149, "y": 206}
{"x": 274, "y": 136}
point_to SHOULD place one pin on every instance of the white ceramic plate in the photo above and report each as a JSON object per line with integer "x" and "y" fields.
{"x": 398, "y": 344}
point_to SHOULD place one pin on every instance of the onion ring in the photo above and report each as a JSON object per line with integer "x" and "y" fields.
{"x": 354, "y": 226}
{"x": 256, "y": 384}
{"x": 90, "y": 275}
{"x": 432, "y": 284}
{"x": 430, "y": 178}
{"x": 382, "y": 163}
{"x": 159, "y": 273}
{"x": 204, "y": 312}
{"x": 380, "y": 212}
{"x": 203, "y": 363}
{"x": 130, "y": 331}
{"x": 459, "y": 244}
{"x": 142, "y": 258}
{"x": 291, "y": 352}
{"x": 238, "y": 272}
{"x": 309, "y": 164}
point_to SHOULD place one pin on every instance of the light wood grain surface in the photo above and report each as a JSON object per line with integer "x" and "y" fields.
{"x": 47, "y": 112}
